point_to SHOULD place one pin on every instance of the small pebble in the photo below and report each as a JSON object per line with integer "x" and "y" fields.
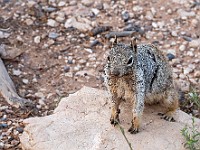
{"x": 52, "y": 23}
{"x": 1, "y": 145}
{"x": 197, "y": 74}
{"x": 25, "y": 81}
{"x": 174, "y": 33}
{"x": 125, "y": 15}
{"x": 187, "y": 70}
{"x": 187, "y": 38}
{"x": 82, "y": 61}
{"x": 170, "y": 56}
{"x": 182, "y": 47}
{"x": 94, "y": 43}
{"x": 3, "y": 125}
{"x": 29, "y": 22}
{"x": 37, "y": 39}
{"x": 66, "y": 68}
{"x": 20, "y": 129}
{"x": 53, "y": 35}
{"x": 49, "y": 9}
{"x": 95, "y": 11}
{"x": 194, "y": 43}
{"x": 61, "y": 3}
{"x": 16, "y": 72}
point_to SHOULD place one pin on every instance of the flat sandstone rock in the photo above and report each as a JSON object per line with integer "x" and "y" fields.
{"x": 81, "y": 122}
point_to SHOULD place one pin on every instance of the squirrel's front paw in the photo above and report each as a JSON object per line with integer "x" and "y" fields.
{"x": 135, "y": 126}
{"x": 133, "y": 130}
{"x": 114, "y": 119}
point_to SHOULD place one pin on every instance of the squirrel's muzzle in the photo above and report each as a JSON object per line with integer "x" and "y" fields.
{"x": 115, "y": 72}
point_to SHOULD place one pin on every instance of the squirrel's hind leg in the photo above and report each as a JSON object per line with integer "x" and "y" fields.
{"x": 171, "y": 103}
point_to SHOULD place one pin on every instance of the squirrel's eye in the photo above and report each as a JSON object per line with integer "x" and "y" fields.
{"x": 130, "y": 61}
{"x": 108, "y": 58}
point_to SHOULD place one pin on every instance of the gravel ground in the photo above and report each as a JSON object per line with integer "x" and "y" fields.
{"x": 60, "y": 46}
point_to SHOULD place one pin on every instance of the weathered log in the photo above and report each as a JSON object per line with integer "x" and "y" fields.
{"x": 8, "y": 91}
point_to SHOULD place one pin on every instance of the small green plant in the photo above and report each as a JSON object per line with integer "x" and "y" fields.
{"x": 194, "y": 98}
{"x": 122, "y": 131}
{"x": 192, "y": 137}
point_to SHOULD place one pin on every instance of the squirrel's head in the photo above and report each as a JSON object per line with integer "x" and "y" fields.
{"x": 120, "y": 59}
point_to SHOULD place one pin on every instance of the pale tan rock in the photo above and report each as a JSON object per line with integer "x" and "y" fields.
{"x": 81, "y": 122}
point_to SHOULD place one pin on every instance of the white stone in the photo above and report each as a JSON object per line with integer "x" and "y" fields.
{"x": 37, "y": 39}
{"x": 174, "y": 33}
{"x": 149, "y": 34}
{"x": 82, "y": 26}
{"x": 137, "y": 8}
{"x": 95, "y": 11}
{"x": 30, "y": 3}
{"x": 182, "y": 76}
{"x": 194, "y": 22}
{"x": 153, "y": 10}
{"x": 184, "y": 14}
{"x": 149, "y": 15}
{"x": 69, "y": 74}
{"x": 61, "y": 3}
{"x": 35, "y": 80}
{"x": 195, "y": 43}
{"x": 197, "y": 74}
{"x": 175, "y": 75}
{"x": 29, "y": 22}
{"x": 52, "y": 23}
{"x": 161, "y": 24}
{"x": 190, "y": 53}
{"x": 16, "y": 72}
{"x": 40, "y": 95}
{"x": 87, "y": 2}
{"x": 172, "y": 51}
{"x": 4, "y": 35}
{"x": 180, "y": 1}
{"x": 88, "y": 50}
{"x": 182, "y": 47}
{"x": 106, "y": 6}
{"x": 25, "y": 81}
{"x": 81, "y": 122}
{"x": 154, "y": 24}
{"x": 187, "y": 70}
{"x": 169, "y": 11}
{"x": 60, "y": 19}
{"x": 82, "y": 61}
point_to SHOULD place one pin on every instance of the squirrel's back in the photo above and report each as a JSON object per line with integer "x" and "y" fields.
{"x": 157, "y": 72}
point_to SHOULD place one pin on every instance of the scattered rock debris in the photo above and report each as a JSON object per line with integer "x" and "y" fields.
{"x": 50, "y": 42}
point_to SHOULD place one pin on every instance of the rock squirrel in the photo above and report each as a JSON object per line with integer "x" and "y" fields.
{"x": 141, "y": 74}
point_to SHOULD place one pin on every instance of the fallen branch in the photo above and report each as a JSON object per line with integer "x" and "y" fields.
{"x": 99, "y": 30}
{"x": 119, "y": 34}
{"x": 8, "y": 91}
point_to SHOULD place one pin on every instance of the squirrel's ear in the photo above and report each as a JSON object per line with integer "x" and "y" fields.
{"x": 134, "y": 44}
{"x": 115, "y": 41}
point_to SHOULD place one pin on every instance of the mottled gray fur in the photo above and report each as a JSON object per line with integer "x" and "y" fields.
{"x": 139, "y": 73}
